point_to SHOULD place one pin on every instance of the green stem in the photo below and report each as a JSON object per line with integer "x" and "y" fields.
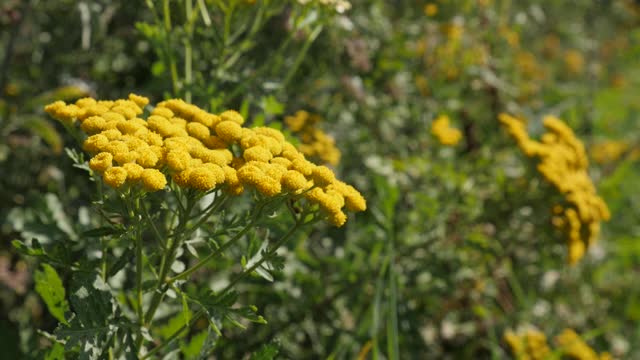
{"x": 246, "y": 272}
{"x": 153, "y": 226}
{"x": 266, "y": 257}
{"x": 175, "y": 335}
{"x": 188, "y": 51}
{"x": 301, "y": 55}
{"x": 165, "y": 264}
{"x": 214, "y": 254}
{"x": 168, "y": 48}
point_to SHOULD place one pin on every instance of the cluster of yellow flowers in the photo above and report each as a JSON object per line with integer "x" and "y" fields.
{"x": 572, "y": 345}
{"x": 574, "y": 61}
{"x": 315, "y": 142}
{"x": 608, "y": 151}
{"x": 441, "y": 129}
{"x": 201, "y": 151}
{"x": 430, "y": 9}
{"x": 564, "y": 164}
{"x": 531, "y": 344}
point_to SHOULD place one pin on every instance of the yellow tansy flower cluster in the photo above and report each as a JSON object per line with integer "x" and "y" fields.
{"x": 564, "y": 164}
{"x": 574, "y": 61}
{"x": 608, "y": 151}
{"x": 572, "y": 346}
{"x": 201, "y": 151}
{"x": 123, "y": 147}
{"x": 315, "y": 142}
{"x": 441, "y": 129}
{"x": 431, "y": 9}
{"x": 530, "y": 344}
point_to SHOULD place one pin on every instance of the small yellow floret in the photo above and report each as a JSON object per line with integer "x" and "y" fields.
{"x": 202, "y": 178}
{"x": 93, "y": 125}
{"x": 141, "y": 101}
{"x": 126, "y": 157}
{"x": 303, "y": 166}
{"x": 148, "y": 158}
{"x": 322, "y": 176}
{"x": 294, "y": 181}
{"x": 115, "y": 176}
{"x": 257, "y": 153}
{"x": 232, "y": 115}
{"x": 153, "y": 180}
{"x": 101, "y": 162}
{"x": 134, "y": 171}
{"x": 95, "y": 143}
{"x": 198, "y": 131}
{"x": 178, "y": 160}
{"x": 229, "y": 131}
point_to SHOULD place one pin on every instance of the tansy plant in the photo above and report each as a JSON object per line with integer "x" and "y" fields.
{"x": 180, "y": 179}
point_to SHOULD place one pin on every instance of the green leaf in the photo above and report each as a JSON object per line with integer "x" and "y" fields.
{"x": 96, "y": 317}
{"x": 272, "y": 106}
{"x": 49, "y": 286}
{"x": 34, "y": 250}
{"x": 45, "y": 130}
{"x": 191, "y": 350}
{"x": 267, "y": 351}
{"x": 56, "y": 353}
{"x": 209, "y": 344}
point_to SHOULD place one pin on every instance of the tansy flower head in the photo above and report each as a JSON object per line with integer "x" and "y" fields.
{"x": 134, "y": 171}
{"x": 441, "y": 129}
{"x": 115, "y": 176}
{"x": 563, "y": 163}
{"x": 229, "y": 131}
{"x": 101, "y": 162}
{"x": 202, "y": 151}
{"x": 153, "y": 180}
{"x": 232, "y": 115}
{"x": 316, "y": 144}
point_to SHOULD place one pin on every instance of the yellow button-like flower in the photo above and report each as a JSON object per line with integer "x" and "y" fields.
{"x": 134, "y": 171}
{"x": 153, "y": 180}
{"x": 148, "y": 158}
{"x": 257, "y": 153}
{"x": 126, "y": 157}
{"x": 294, "y": 182}
{"x": 232, "y": 115}
{"x": 95, "y": 143}
{"x": 115, "y": 176}
{"x": 198, "y": 131}
{"x": 354, "y": 201}
{"x": 202, "y": 178}
{"x": 93, "y": 125}
{"x": 162, "y": 111}
{"x": 141, "y": 101}
{"x": 111, "y": 116}
{"x": 322, "y": 176}
{"x": 229, "y": 131}
{"x": 112, "y": 134}
{"x": 178, "y": 160}
{"x": 302, "y": 166}
{"x": 101, "y": 162}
